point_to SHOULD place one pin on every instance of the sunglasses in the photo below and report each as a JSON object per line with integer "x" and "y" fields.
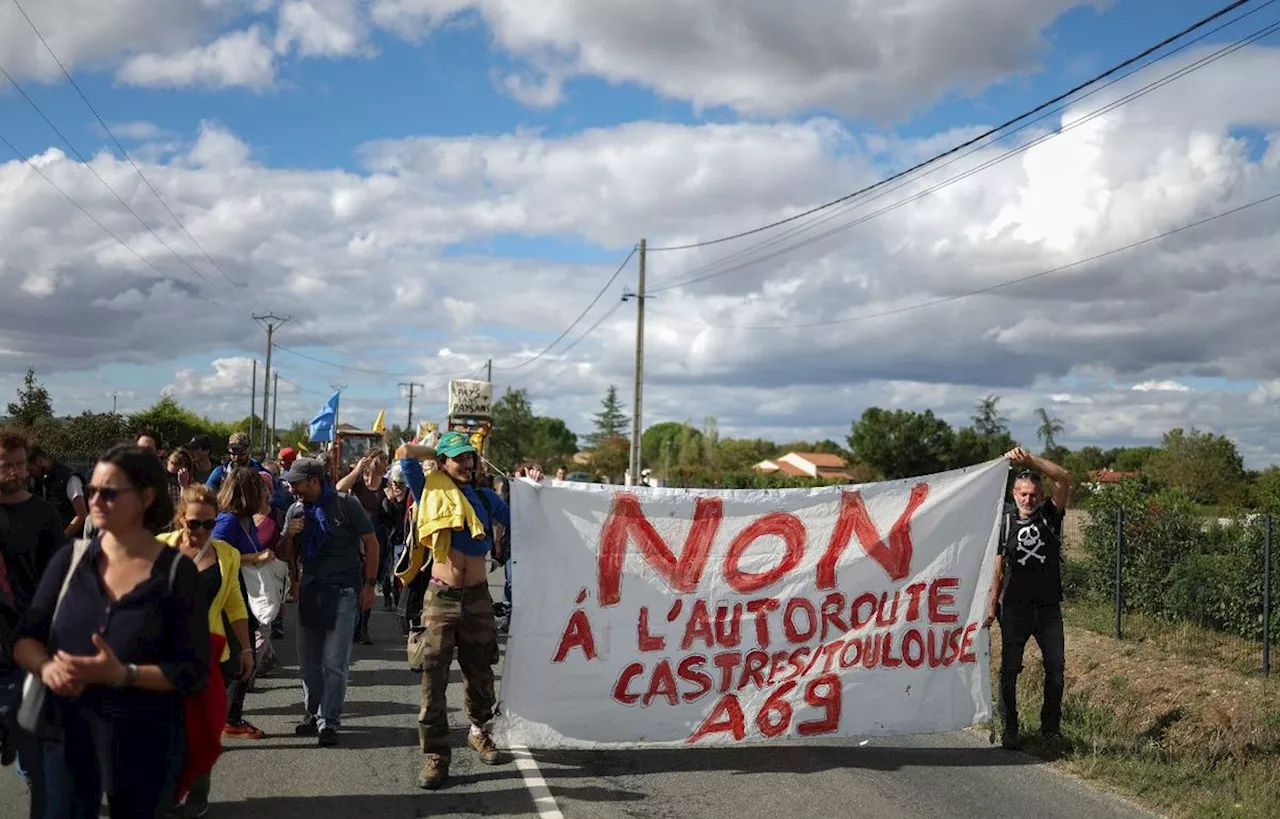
{"x": 237, "y": 450}
{"x": 1028, "y": 475}
{"x": 196, "y": 525}
{"x": 108, "y": 493}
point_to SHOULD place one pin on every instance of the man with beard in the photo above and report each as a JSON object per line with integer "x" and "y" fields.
{"x": 1026, "y": 594}
{"x": 31, "y": 531}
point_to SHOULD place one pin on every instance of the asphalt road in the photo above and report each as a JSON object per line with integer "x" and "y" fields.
{"x": 372, "y": 773}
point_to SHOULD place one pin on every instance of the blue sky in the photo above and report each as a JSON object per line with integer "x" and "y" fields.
{"x": 320, "y": 112}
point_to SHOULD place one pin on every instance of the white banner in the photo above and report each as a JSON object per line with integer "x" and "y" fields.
{"x": 708, "y": 617}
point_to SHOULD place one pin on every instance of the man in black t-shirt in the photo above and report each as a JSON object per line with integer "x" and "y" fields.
{"x": 30, "y": 527}
{"x": 31, "y": 530}
{"x": 1026, "y": 596}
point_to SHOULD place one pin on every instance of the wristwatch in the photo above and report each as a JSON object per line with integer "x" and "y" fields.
{"x": 371, "y": 582}
{"x": 130, "y": 676}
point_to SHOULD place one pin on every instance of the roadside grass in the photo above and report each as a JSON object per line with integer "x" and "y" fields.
{"x": 1180, "y": 721}
{"x": 1179, "y": 639}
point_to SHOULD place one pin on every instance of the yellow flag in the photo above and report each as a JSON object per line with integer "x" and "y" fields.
{"x": 380, "y": 424}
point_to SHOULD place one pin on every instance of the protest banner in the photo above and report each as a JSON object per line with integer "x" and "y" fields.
{"x": 652, "y": 617}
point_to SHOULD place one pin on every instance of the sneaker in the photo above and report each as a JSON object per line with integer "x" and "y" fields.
{"x": 328, "y": 737}
{"x": 434, "y": 772}
{"x": 1055, "y": 741}
{"x": 242, "y": 730}
{"x": 307, "y": 728}
{"x": 483, "y": 745}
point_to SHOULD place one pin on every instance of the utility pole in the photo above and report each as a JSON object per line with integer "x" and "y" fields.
{"x": 270, "y": 322}
{"x": 253, "y": 397}
{"x": 338, "y": 388}
{"x": 411, "y": 387}
{"x": 637, "y": 408}
{"x": 275, "y": 407}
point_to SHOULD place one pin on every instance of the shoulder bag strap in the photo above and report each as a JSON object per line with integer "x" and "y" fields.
{"x": 173, "y": 566}
{"x": 78, "y": 550}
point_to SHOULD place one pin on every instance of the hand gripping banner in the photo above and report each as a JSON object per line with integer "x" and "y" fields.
{"x": 652, "y": 617}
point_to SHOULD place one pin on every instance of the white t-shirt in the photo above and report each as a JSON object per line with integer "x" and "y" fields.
{"x": 75, "y": 488}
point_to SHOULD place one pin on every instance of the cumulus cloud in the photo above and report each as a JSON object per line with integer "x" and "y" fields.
{"x": 240, "y": 58}
{"x": 759, "y": 56}
{"x": 92, "y": 33}
{"x": 380, "y": 271}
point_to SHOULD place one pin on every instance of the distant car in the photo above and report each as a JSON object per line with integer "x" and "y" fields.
{"x": 578, "y": 477}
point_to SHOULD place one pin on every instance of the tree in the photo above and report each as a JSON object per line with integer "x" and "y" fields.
{"x": 1203, "y": 465}
{"x": 902, "y": 443}
{"x": 710, "y": 440}
{"x": 969, "y": 447}
{"x": 33, "y": 404}
{"x": 1133, "y": 458}
{"x": 174, "y": 424}
{"x": 552, "y": 444}
{"x": 611, "y": 422}
{"x": 988, "y": 421}
{"x": 83, "y": 438}
{"x": 1049, "y": 429}
{"x": 741, "y": 453}
{"x": 1267, "y": 491}
{"x": 296, "y": 433}
{"x": 662, "y": 440}
{"x": 610, "y": 459}
{"x": 513, "y": 428}
{"x": 825, "y": 447}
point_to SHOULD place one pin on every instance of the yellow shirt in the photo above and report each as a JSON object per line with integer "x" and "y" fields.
{"x": 229, "y": 600}
{"x": 441, "y": 509}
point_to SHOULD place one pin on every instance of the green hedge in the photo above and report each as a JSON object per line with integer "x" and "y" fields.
{"x": 1178, "y": 565}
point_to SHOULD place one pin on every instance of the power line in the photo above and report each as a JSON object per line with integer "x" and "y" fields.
{"x": 301, "y": 388}
{"x": 66, "y": 141}
{"x": 710, "y": 270}
{"x": 33, "y": 166}
{"x": 603, "y": 318}
{"x": 1011, "y": 282}
{"x": 121, "y": 147}
{"x": 1230, "y": 7}
{"x": 580, "y": 317}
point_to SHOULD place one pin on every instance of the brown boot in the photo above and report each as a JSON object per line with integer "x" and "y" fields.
{"x": 483, "y": 743}
{"x": 434, "y": 772}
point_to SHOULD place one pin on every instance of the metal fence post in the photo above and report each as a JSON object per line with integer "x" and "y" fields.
{"x": 1266, "y": 596}
{"x": 1119, "y": 568}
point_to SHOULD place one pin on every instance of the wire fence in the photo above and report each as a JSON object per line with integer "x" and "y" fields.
{"x": 1160, "y": 572}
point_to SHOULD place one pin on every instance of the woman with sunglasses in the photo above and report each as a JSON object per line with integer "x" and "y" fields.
{"x": 130, "y": 638}
{"x": 219, "y": 565}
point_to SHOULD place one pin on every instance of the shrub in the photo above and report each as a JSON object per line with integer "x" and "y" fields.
{"x": 1178, "y": 565}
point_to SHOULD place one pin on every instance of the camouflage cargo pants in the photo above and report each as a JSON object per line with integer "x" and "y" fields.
{"x": 452, "y": 619}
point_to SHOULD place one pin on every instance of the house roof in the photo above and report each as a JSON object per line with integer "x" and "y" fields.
{"x": 1109, "y": 475}
{"x": 822, "y": 460}
{"x": 791, "y": 470}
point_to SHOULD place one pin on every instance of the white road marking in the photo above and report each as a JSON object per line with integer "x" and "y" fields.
{"x": 543, "y": 801}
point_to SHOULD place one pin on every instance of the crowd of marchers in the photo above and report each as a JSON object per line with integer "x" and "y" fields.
{"x": 139, "y": 604}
